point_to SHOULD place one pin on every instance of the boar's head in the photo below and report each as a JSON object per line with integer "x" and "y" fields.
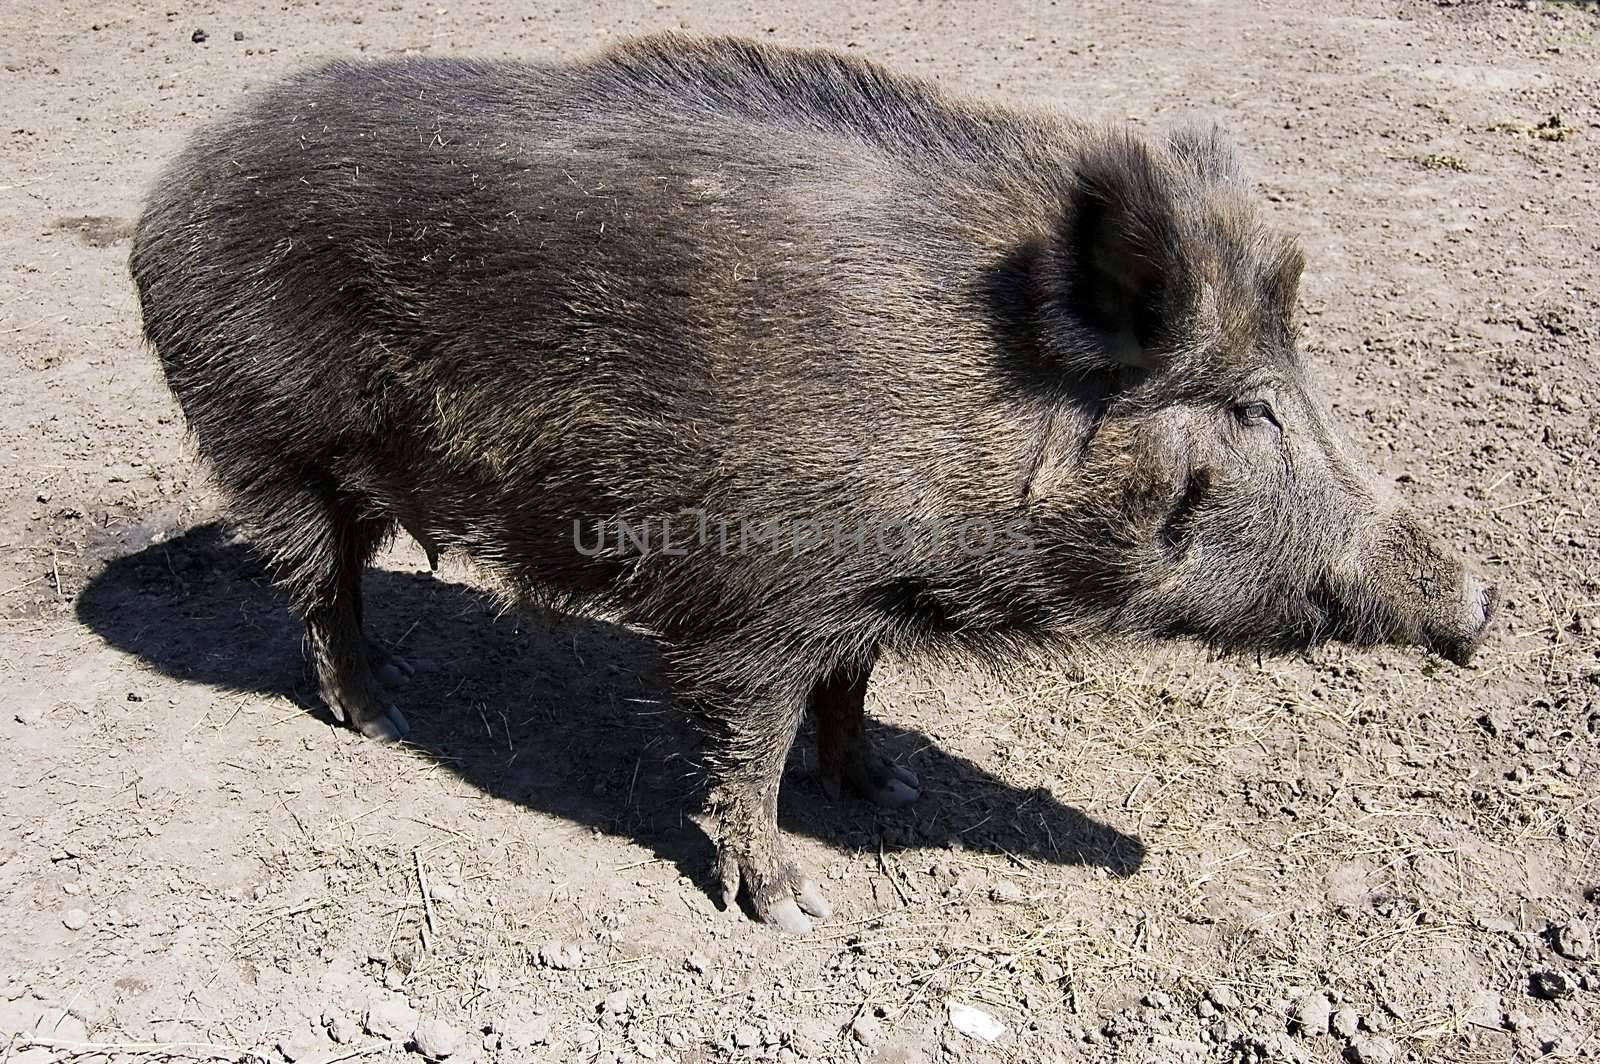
{"x": 1206, "y": 495}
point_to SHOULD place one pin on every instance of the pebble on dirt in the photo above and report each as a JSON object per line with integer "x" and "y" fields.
{"x": 1370, "y": 1049}
{"x": 563, "y": 958}
{"x": 1223, "y": 997}
{"x": 975, "y": 1023}
{"x": 199, "y": 36}
{"x": 341, "y": 1028}
{"x": 1574, "y": 942}
{"x": 1346, "y": 1022}
{"x": 301, "y": 1045}
{"x": 866, "y": 1030}
{"x": 391, "y": 1017}
{"x": 75, "y": 919}
{"x": 1311, "y": 1013}
{"x": 1008, "y": 892}
{"x": 436, "y": 1039}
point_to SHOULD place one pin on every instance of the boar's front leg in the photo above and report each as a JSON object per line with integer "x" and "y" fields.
{"x": 753, "y": 735}
{"x": 844, "y": 756}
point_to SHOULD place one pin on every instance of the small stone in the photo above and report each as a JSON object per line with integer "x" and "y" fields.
{"x": 1573, "y": 941}
{"x": 436, "y": 1039}
{"x": 746, "y": 1037}
{"x": 302, "y": 1045}
{"x": 1371, "y": 1049}
{"x": 391, "y": 1017}
{"x": 75, "y": 919}
{"x": 1310, "y": 1014}
{"x": 394, "y": 979}
{"x": 866, "y": 1030}
{"x": 618, "y": 1002}
{"x": 238, "y": 35}
{"x": 1205, "y": 1009}
{"x": 1551, "y": 986}
{"x": 199, "y": 36}
{"x": 1345, "y": 1022}
{"x": 1008, "y": 892}
{"x": 563, "y": 958}
{"x": 1223, "y": 997}
{"x": 975, "y": 1022}
{"x": 697, "y": 962}
{"x": 341, "y": 1028}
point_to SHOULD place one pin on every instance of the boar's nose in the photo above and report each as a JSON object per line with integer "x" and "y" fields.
{"x": 1478, "y": 606}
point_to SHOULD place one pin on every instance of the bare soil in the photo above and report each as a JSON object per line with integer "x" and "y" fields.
{"x": 1147, "y": 857}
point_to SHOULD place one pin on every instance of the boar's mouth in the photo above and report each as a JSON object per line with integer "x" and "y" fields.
{"x": 1454, "y": 636}
{"x": 1458, "y": 646}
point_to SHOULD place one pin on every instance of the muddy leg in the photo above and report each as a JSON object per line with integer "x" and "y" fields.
{"x": 752, "y": 742}
{"x": 844, "y": 756}
{"x": 318, "y": 544}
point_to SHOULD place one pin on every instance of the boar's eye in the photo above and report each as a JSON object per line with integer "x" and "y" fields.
{"x": 1255, "y": 413}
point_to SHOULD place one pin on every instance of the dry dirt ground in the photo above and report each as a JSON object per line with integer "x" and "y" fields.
{"x": 1369, "y": 856}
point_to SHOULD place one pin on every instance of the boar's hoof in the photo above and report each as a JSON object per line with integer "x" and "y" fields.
{"x": 790, "y": 914}
{"x": 874, "y": 777}
{"x": 784, "y": 898}
{"x": 388, "y": 727}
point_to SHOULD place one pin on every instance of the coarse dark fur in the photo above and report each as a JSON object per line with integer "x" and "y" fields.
{"x": 679, "y": 332}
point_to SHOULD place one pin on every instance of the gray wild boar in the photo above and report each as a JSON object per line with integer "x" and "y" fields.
{"x": 781, "y": 357}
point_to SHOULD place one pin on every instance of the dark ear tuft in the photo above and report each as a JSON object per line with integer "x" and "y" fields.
{"x": 1117, "y": 255}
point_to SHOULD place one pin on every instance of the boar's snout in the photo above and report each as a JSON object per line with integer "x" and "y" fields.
{"x": 1476, "y": 608}
{"x": 1433, "y": 598}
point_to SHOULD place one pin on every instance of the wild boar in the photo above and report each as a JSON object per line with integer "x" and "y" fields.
{"x": 779, "y": 356}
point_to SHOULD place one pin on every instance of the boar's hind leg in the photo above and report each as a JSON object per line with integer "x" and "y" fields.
{"x": 318, "y": 543}
{"x": 752, "y": 744}
{"x": 844, "y": 756}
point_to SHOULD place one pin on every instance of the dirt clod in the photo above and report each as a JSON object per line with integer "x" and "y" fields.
{"x": 436, "y": 1038}
{"x": 1223, "y": 997}
{"x": 866, "y": 1030}
{"x": 340, "y": 1027}
{"x": 391, "y": 1017}
{"x": 1550, "y": 985}
{"x": 1371, "y": 1049}
{"x": 1574, "y": 941}
{"x": 559, "y": 956}
{"x": 1345, "y": 1022}
{"x": 1311, "y": 1013}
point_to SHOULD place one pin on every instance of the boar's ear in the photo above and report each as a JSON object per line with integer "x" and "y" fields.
{"x": 1117, "y": 271}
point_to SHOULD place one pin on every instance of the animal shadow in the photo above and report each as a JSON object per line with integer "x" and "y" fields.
{"x": 564, "y": 714}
